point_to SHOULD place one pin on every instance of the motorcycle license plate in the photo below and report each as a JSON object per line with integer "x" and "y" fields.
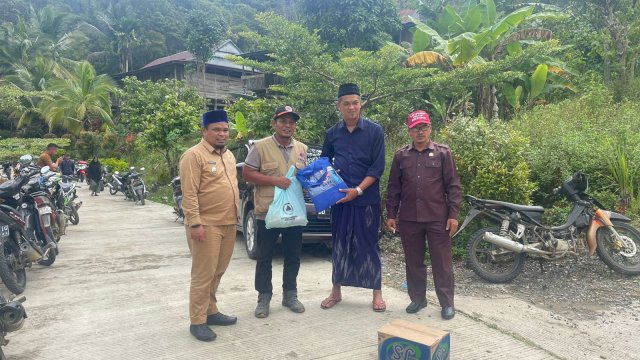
{"x": 4, "y": 230}
{"x": 44, "y": 210}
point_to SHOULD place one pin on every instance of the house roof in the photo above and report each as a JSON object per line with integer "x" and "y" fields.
{"x": 405, "y": 13}
{"x": 228, "y": 47}
{"x": 181, "y": 56}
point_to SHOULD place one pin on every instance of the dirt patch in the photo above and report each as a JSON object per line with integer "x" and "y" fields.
{"x": 579, "y": 285}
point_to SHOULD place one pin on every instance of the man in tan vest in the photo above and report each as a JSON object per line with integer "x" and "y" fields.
{"x": 266, "y": 166}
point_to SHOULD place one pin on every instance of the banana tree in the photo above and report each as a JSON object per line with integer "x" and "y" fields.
{"x": 473, "y": 38}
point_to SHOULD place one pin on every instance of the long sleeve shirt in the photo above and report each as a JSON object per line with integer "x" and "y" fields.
{"x": 423, "y": 185}
{"x": 356, "y": 155}
{"x": 209, "y": 185}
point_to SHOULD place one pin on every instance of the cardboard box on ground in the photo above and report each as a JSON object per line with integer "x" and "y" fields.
{"x": 402, "y": 339}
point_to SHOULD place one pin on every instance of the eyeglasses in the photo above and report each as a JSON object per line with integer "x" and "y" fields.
{"x": 421, "y": 129}
{"x": 286, "y": 121}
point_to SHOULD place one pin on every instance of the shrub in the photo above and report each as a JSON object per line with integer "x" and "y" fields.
{"x": 114, "y": 164}
{"x": 580, "y": 135}
{"x": 490, "y": 157}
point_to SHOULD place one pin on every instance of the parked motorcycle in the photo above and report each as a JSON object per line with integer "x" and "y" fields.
{"x": 81, "y": 170}
{"x": 497, "y": 254}
{"x": 12, "y": 315}
{"x": 114, "y": 182}
{"x": 134, "y": 188}
{"x": 177, "y": 198}
{"x": 64, "y": 195}
{"x": 48, "y": 180}
{"x": 7, "y": 169}
{"x": 20, "y": 226}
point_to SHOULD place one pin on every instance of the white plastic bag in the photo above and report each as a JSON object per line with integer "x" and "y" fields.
{"x": 288, "y": 208}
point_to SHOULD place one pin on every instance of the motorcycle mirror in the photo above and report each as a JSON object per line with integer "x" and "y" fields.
{"x": 117, "y": 172}
{"x": 131, "y": 168}
{"x": 44, "y": 170}
{"x": 141, "y": 169}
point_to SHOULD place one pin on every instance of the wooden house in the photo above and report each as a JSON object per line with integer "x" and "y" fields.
{"x": 222, "y": 83}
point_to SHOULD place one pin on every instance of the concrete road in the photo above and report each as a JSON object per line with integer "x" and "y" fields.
{"x": 119, "y": 290}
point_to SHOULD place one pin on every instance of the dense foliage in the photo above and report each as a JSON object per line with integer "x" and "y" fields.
{"x": 528, "y": 68}
{"x": 12, "y": 149}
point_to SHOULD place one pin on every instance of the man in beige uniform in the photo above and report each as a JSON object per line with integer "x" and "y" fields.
{"x": 210, "y": 202}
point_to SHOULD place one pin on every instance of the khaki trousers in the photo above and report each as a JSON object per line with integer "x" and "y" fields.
{"x": 209, "y": 260}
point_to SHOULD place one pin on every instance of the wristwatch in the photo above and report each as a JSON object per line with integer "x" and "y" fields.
{"x": 359, "y": 190}
{"x": 195, "y": 226}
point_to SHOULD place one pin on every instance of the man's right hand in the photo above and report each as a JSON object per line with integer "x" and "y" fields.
{"x": 197, "y": 233}
{"x": 281, "y": 182}
{"x": 391, "y": 225}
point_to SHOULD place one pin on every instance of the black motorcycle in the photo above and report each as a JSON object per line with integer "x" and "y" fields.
{"x": 497, "y": 253}
{"x": 134, "y": 188}
{"x": 21, "y": 234}
{"x": 12, "y": 315}
{"x": 177, "y": 198}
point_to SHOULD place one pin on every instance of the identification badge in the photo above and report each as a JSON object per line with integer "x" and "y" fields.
{"x": 214, "y": 169}
{"x": 430, "y": 154}
{"x": 211, "y": 162}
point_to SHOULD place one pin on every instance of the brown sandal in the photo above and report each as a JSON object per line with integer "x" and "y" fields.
{"x": 329, "y": 302}
{"x": 379, "y": 305}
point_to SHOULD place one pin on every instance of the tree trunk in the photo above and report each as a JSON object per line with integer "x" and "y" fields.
{"x": 204, "y": 84}
{"x": 488, "y": 102}
{"x": 170, "y": 165}
{"x": 606, "y": 65}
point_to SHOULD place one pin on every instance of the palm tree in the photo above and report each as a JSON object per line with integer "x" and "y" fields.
{"x": 43, "y": 34}
{"x": 79, "y": 99}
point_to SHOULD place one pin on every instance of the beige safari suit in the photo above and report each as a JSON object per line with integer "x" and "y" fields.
{"x": 209, "y": 198}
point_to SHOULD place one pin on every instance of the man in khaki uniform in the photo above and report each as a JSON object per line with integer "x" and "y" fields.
{"x": 210, "y": 202}
{"x": 266, "y": 166}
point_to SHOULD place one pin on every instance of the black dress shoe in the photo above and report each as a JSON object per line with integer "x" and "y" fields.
{"x": 221, "y": 319}
{"x": 415, "y": 306}
{"x": 448, "y": 312}
{"x": 202, "y": 332}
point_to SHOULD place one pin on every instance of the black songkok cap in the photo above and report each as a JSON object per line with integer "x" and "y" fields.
{"x": 348, "y": 89}
{"x": 214, "y": 116}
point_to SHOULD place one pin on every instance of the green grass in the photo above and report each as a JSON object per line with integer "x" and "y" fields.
{"x": 163, "y": 195}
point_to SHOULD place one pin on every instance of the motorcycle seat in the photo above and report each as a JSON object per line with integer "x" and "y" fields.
{"x": 512, "y": 206}
{"x": 10, "y": 188}
{"x": 66, "y": 186}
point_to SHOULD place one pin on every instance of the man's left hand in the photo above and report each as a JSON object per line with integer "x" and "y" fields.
{"x": 452, "y": 226}
{"x": 351, "y": 194}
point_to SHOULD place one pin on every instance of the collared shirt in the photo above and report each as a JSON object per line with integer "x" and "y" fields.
{"x": 44, "y": 160}
{"x": 209, "y": 186}
{"x": 356, "y": 155}
{"x": 423, "y": 185}
{"x": 253, "y": 158}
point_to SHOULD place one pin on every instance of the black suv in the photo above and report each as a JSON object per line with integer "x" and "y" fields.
{"x": 318, "y": 230}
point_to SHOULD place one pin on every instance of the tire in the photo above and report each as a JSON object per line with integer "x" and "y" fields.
{"x": 74, "y": 218}
{"x": 612, "y": 257}
{"x": 113, "y": 189}
{"x": 81, "y": 178}
{"x": 49, "y": 259}
{"x": 14, "y": 280}
{"x": 482, "y": 262}
{"x": 250, "y": 232}
{"x": 140, "y": 196}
